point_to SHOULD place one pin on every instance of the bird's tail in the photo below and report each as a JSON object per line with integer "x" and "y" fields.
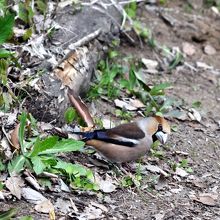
{"x": 97, "y": 134}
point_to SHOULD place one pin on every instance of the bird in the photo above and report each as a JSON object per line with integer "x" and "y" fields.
{"x": 128, "y": 142}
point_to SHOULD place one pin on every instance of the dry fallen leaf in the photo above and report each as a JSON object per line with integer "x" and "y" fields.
{"x": 63, "y": 186}
{"x": 150, "y": 64}
{"x": 124, "y": 104}
{"x": 194, "y": 115}
{"x": 161, "y": 183}
{"x": 33, "y": 182}
{"x": 14, "y": 138}
{"x": 90, "y": 213}
{"x": 5, "y": 149}
{"x": 101, "y": 206}
{"x": 137, "y": 103}
{"x": 209, "y": 50}
{"x": 129, "y": 104}
{"x": 203, "y": 65}
{"x": 206, "y": 198}
{"x": 14, "y": 184}
{"x": 63, "y": 206}
{"x": 32, "y": 196}
{"x": 107, "y": 185}
{"x": 107, "y": 123}
{"x": 181, "y": 172}
{"x": 159, "y": 216}
{"x": 188, "y": 49}
{"x": 155, "y": 169}
{"x": 44, "y": 207}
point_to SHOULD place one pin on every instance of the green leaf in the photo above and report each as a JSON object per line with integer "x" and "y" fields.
{"x": 112, "y": 54}
{"x": 6, "y": 27}
{"x": 177, "y": 59}
{"x": 3, "y": 72}
{"x": 71, "y": 169}
{"x": 131, "y": 9}
{"x": 2, "y": 166}
{"x": 156, "y": 90}
{"x": 44, "y": 182}
{"x": 17, "y": 164}
{"x": 42, "y": 146}
{"x": 41, "y": 5}
{"x": 3, "y": 5}
{"x": 132, "y": 79}
{"x": 38, "y": 165}
{"x": 6, "y": 215}
{"x": 25, "y": 12}
{"x": 49, "y": 160}
{"x": 27, "y": 34}
{"x": 196, "y": 104}
{"x": 139, "y": 76}
{"x": 26, "y": 218}
{"x": 65, "y": 145}
{"x": 5, "y": 53}
{"x": 69, "y": 115}
{"x": 1, "y": 186}
{"x": 21, "y": 131}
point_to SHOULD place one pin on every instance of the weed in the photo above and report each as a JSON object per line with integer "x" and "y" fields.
{"x": 196, "y": 104}
{"x": 114, "y": 79}
{"x": 184, "y": 164}
{"x": 39, "y": 155}
{"x": 123, "y": 114}
{"x": 131, "y": 9}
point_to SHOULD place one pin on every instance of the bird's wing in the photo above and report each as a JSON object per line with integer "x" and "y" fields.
{"x": 129, "y": 131}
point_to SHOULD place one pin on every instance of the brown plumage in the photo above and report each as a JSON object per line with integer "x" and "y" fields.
{"x": 128, "y": 142}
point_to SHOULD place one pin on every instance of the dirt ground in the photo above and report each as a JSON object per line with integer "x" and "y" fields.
{"x": 174, "y": 197}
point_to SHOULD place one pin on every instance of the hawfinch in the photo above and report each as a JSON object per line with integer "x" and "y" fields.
{"x": 128, "y": 142}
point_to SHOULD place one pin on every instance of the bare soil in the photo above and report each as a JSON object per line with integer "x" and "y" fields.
{"x": 201, "y": 141}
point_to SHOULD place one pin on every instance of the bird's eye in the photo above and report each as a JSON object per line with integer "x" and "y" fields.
{"x": 160, "y": 127}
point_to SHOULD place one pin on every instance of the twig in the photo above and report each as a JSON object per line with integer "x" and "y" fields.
{"x": 85, "y": 40}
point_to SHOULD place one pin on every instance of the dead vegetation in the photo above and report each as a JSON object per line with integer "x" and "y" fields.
{"x": 131, "y": 59}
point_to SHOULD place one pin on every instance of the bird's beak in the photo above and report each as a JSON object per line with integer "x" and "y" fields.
{"x": 162, "y": 137}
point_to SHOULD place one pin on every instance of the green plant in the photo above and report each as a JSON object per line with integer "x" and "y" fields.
{"x": 155, "y": 151}
{"x": 70, "y": 114}
{"x": 6, "y": 215}
{"x": 131, "y": 9}
{"x": 25, "y": 12}
{"x": 196, "y": 104}
{"x": 106, "y": 81}
{"x": 210, "y": 3}
{"x": 182, "y": 164}
{"x": 113, "y": 79}
{"x": 6, "y": 59}
{"x": 123, "y": 114}
{"x": 40, "y": 154}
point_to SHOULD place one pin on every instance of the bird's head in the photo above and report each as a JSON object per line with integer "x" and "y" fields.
{"x": 159, "y": 128}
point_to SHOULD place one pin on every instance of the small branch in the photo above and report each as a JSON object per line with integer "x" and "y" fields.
{"x": 85, "y": 40}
